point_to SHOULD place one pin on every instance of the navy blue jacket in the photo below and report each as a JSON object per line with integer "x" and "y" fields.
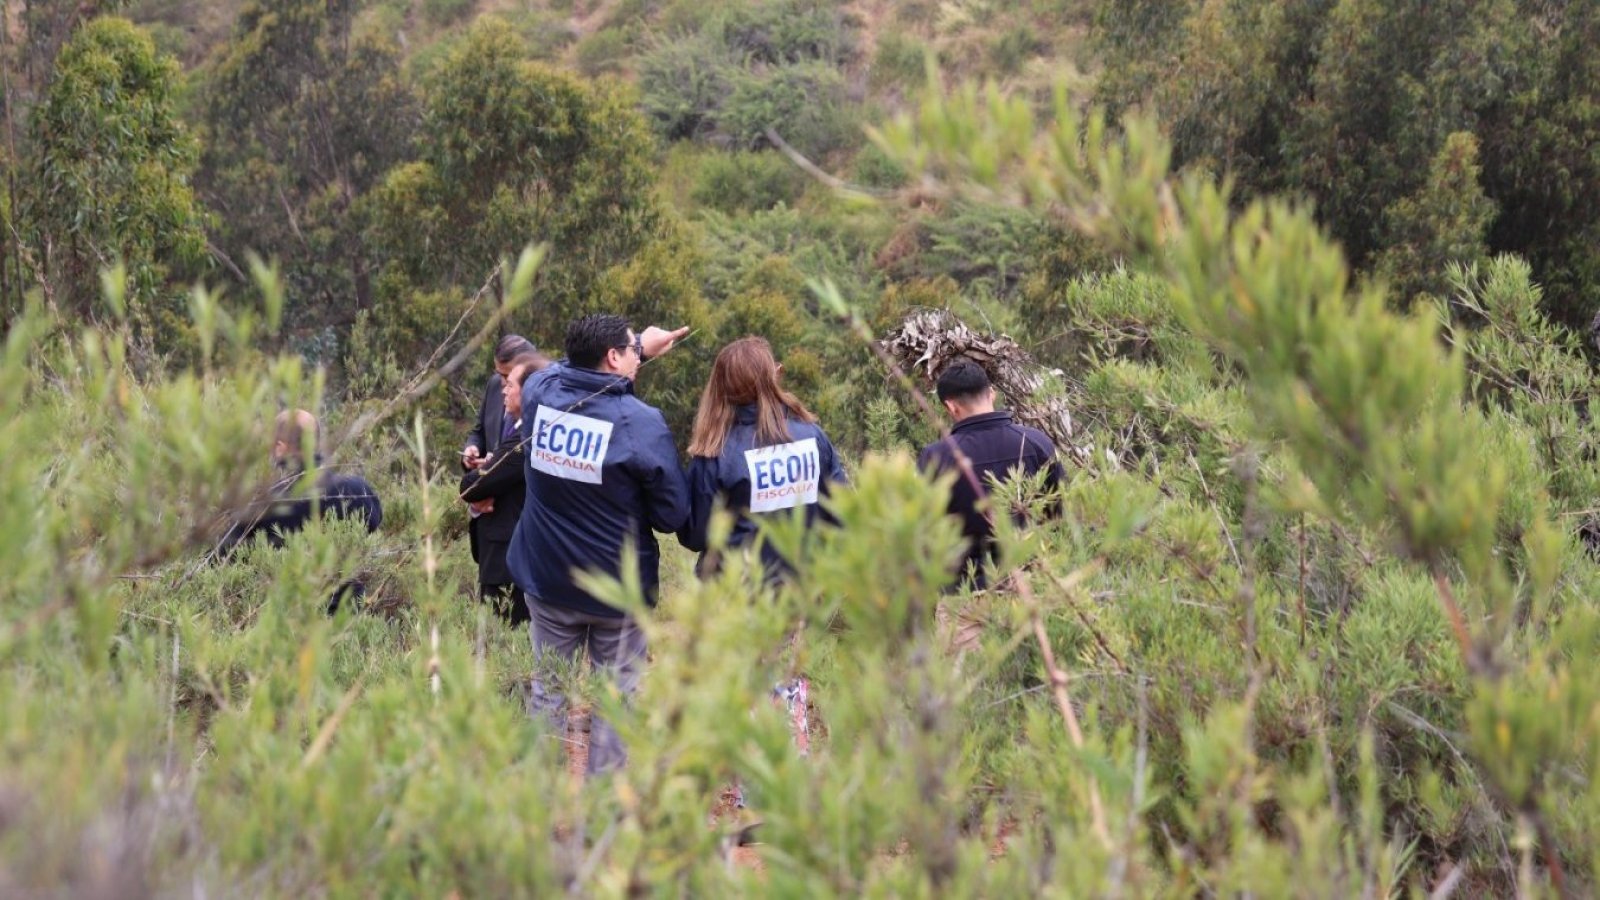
{"x": 602, "y": 471}
{"x": 772, "y": 480}
{"x": 289, "y": 508}
{"x": 997, "y": 448}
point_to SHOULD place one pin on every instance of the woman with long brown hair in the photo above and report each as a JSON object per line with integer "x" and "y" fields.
{"x": 755, "y": 450}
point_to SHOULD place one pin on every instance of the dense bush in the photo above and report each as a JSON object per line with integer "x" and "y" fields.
{"x": 804, "y": 103}
{"x": 1336, "y": 414}
{"x": 111, "y": 182}
{"x": 683, "y": 81}
{"x": 746, "y": 181}
{"x": 445, "y": 12}
{"x": 1348, "y": 102}
{"x": 730, "y": 77}
{"x": 302, "y": 122}
{"x": 602, "y": 52}
{"x": 1316, "y": 617}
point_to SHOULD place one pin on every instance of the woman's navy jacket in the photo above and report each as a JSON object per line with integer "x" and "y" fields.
{"x": 602, "y": 472}
{"x": 751, "y": 481}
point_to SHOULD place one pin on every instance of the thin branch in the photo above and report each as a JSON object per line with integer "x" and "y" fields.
{"x": 815, "y": 171}
{"x": 1105, "y": 647}
{"x": 319, "y": 745}
{"x": 227, "y": 262}
{"x": 1458, "y": 624}
{"x": 367, "y": 420}
{"x": 1058, "y": 687}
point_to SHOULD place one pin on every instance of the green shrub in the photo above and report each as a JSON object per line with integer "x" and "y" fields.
{"x": 1014, "y": 46}
{"x": 872, "y": 168}
{"x": 1443, "y": 224}
{"x": 684, "y": 80}
{"x": 805, "y": 103}
{"x": 975, "y": 244}
{"x": 746, "y": 180}
{"x": 784, "y": 32}
{"x": 815, "y": 246}
{"x": 900, "y": 60}
{"x": 689, "y": 16}
{"x": 445, "y": 12}
{"x": 546, "y": 34}
{"x": 1357, "y": 421}
{"x": 603, "y": 52}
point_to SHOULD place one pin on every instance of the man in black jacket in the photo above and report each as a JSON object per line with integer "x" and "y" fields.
{"x": 485, "y": 434}
{"x": 998, "y": 450}
{"x": 497, "y": 487}
{"x": 291, "y": 502}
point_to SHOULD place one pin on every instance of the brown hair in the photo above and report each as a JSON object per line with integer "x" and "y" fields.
{"x": 745, "y": 373}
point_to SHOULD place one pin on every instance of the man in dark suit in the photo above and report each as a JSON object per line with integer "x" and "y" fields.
{"x": 487, "y": 429}
{"x": 485, "y": 432}
{"x": 500, "y": 481}
{"x": 602, "y": 477}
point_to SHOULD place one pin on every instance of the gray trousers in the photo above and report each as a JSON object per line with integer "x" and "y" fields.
{"x": 616, "y": 645}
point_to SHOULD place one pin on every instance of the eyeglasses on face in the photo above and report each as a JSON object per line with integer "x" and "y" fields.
{"x": 637, "y": 346}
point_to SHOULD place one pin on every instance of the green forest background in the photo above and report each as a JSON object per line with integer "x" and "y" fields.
{"x": 1317, "y": 280}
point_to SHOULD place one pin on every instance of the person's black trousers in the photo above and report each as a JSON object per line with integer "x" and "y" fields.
{"x": 507, "y": 602}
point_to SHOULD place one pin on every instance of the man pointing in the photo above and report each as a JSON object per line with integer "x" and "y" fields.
{"x": 603, "y": 476}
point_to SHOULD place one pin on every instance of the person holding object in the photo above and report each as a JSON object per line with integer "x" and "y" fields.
{"x": 486, "y": 433}
{"x": 756, "y": 451}
{"x": 998, "y": 450}
{"x": 602, "y": 477}
{"x": 291, "y": 502}
{"x": 498, "y": 483}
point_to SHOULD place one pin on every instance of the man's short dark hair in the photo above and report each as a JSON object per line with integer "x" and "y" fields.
{"x": 590, "y": 337}
{"x": 962, "y": 380}
{"x": 510, "y": 347}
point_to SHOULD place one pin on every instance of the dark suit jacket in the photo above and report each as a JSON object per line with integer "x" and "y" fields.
{"x": 486, "y": 431}
{"x": 503, "y": 479}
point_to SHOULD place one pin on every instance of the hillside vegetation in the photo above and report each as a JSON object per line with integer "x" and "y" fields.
{"x": 1315, "y": 280}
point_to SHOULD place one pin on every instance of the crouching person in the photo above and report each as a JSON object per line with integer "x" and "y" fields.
{"x": 291, "y": 502}
{"x": 602, "y": 477}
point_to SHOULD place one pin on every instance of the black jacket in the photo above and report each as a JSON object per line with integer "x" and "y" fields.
{"x": 485, "y": 432}
{"x": 288, "y": 507}
{"x": 503, "y": 479}
{"x": 997, "y": 448}
{"x": 746, "y": 476}
{"x": 603, "y": 476}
